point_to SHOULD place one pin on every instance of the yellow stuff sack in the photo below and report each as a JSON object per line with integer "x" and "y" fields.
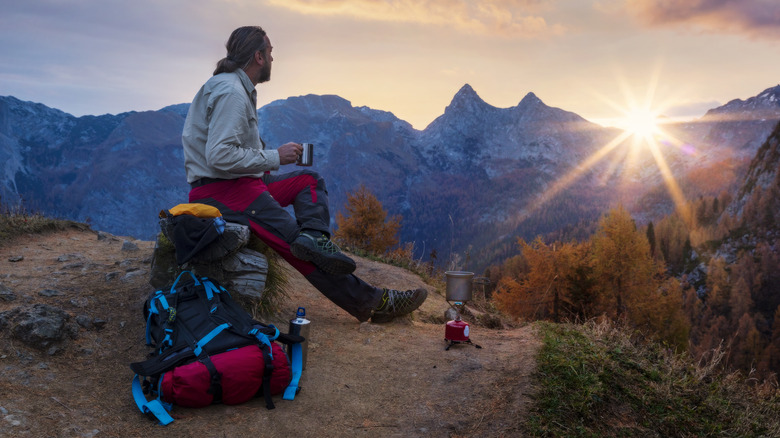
{"x": 198, "y": 210}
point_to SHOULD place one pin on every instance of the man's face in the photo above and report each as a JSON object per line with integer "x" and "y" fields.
{"x": 265, "y": 72}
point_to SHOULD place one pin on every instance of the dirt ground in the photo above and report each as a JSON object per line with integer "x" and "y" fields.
{"x": 361, "y": 380}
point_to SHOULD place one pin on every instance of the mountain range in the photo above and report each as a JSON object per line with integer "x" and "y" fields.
{"x": 467, "y": 185}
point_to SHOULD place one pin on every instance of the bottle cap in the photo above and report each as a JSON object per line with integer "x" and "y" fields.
{"x": 301, "y": 312}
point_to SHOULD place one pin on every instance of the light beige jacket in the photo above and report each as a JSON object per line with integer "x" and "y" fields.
{"x": 220, "y": 135}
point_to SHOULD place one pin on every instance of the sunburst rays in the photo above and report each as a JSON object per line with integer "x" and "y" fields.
{"x": 642, "y": 132}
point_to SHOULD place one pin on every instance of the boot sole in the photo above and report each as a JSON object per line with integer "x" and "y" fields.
{"x": 385, "y": 317}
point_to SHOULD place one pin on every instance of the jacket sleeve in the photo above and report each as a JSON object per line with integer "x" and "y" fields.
{"x": 229, "y": 128}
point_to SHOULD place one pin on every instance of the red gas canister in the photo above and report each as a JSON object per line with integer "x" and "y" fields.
{"x": 457, "y": 331}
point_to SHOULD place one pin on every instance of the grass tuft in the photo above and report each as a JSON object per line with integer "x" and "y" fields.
{"x": 17, "y": 221}
{"x": 276, "y": 282}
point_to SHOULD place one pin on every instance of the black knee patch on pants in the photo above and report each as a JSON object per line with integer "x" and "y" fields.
{"x": 267, "y": 213}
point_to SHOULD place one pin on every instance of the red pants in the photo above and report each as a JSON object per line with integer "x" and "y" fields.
{"x": 260, "y": 203}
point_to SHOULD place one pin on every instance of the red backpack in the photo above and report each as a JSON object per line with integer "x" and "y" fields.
{"x": 208, "y": 349}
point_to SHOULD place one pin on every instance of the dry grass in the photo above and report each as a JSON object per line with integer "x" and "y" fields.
{"x": 17, "y": 222}
{"x": 596, "y": 380}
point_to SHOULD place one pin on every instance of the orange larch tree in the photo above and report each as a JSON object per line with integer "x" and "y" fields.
{"x": 366, "y": 225}
{"x": 544, "y": 290}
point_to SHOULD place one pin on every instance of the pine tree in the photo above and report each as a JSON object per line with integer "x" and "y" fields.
{"x": 661, "y": 314}
{"x": 582, "y": 288}
{"x": 510, "y": 297}
{"x": 771, "y": 354}
{"x": 366, "y": 225}
{"x": 701, "y": 211}
{"x": 687, "y": 250}
{"x": 631, "y": 283}
{"x": 746, "y": 343}
{"x": 718, "y": 287}
{"x": 542, "y": 290}
{"x": 740, "y": 300}
{"x": 621, "y": 261}
{"x": 651, "y": 238}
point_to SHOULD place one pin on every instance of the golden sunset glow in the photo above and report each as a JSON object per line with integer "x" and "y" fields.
{"x": 403, "y": 56}
{"x": 641, "y": 122}
{"x": 641, "y": 139}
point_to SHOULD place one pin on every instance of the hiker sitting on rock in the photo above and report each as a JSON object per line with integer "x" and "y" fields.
{"x": 227, "y": 164}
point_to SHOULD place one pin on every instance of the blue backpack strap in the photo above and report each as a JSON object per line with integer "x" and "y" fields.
{"x": 264, "y": 339}
{"x": 210, "y": 289}
{"x": 276, "y": 332}
{"x": 205, "y": 340}
{"x": 173, "y": 287}
{"x": 154, "y": 407}
{"x": 297, "y": 369}
{"x": 167, "y": 341}
{"x": 159, "y": 297}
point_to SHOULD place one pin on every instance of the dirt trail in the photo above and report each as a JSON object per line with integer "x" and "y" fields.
{"x": 361, "y": 380}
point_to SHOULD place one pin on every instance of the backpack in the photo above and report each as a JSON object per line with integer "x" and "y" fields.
{"x": 208, "y": 349}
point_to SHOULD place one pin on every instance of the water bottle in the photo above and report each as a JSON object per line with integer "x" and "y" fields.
{"x": 300, "y": 326}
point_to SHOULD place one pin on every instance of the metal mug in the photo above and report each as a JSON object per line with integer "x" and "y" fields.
{"x": 307, "y": 156}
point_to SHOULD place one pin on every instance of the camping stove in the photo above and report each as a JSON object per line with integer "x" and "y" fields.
{"x": 459, "y": 291}
{"x": 457, "y": 331}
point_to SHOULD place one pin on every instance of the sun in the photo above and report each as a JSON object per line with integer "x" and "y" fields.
{"x": 644, "y": 135}
{"x": 641, "y": 122}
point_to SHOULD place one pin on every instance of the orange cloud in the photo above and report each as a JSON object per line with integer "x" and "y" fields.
{"x": 757, "y": 18}
{"x": 514, "y": 18}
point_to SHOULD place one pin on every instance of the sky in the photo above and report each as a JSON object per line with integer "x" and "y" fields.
{"x": 597, "y": 58}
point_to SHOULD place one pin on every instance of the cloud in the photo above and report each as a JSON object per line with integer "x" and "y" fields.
{"x": 691, "y": 109}
{"x": 756, "y": 18}
{"x": 514, "y": 18}
{"x": 96, "y": 56}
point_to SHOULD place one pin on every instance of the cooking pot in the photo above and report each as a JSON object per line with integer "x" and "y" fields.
{"x": 459, "y": 285}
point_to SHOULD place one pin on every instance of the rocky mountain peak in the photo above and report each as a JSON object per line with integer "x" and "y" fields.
{"x": 180, "y": 109}
{"x": 766, "y": 103}
{"x": 467, "y": 101}
{"x": 771, "y": 94}
{"x": 530, "y": 100}
{"x": 315, "y": 104}
{"x": 466, "y": 92}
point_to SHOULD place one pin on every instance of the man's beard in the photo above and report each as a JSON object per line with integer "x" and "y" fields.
{"x": 265, "y": 74}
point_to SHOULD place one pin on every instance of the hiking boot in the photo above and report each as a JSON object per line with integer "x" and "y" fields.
{"x": 397, "y": 303}
{"x": 321, "y": 251}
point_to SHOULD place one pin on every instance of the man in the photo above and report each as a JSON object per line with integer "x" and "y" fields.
{"x": 228, "y": 167}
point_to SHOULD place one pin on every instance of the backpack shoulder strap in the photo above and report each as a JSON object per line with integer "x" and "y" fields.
{"x": 297, "y": 369}
{"x": 154, "y": 407}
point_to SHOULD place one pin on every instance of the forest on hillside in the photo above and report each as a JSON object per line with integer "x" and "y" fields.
{"x": 704, "y": 279}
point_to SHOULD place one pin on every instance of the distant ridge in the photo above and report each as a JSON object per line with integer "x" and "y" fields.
{"x": 470, "y": 181}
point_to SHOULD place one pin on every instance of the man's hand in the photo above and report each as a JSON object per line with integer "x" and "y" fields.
{"x": 289, "y": 153}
